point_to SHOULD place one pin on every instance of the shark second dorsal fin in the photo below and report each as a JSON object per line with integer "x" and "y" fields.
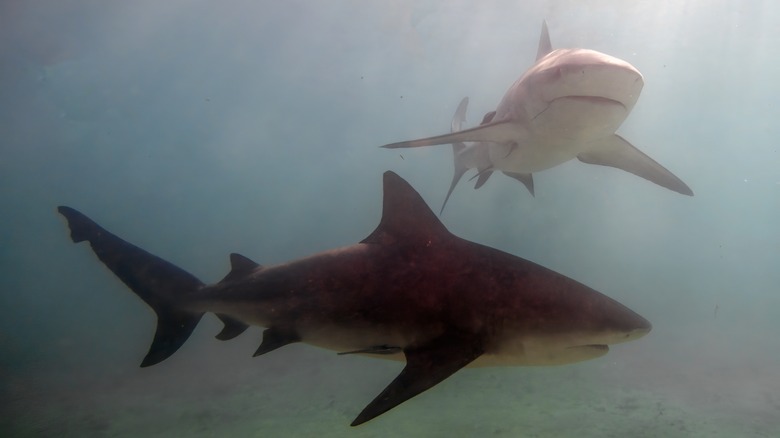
{"x": 545, "y": 46}
{"x": 240, "y": 266}
{"x": 406, "y": 218}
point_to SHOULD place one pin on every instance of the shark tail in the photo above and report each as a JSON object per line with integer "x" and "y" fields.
{"x": 460, "y": 167}
{"x": 159, "y": 283}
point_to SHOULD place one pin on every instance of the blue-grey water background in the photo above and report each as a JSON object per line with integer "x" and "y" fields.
{"x": 198, "y": 128}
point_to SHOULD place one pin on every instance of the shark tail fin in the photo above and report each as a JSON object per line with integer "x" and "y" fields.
{"x": 460, "y": 168}
{"x": 162, "y": 285}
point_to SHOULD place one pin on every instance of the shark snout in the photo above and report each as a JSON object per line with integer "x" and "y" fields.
{"x": 634, "y": 327}
{"x": 590, "y": 75}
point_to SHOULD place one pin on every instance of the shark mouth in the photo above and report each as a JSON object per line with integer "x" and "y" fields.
{"x": 598, "y": 100}
{"x": 601, "y": 347}
{"x": 593, "y": 100}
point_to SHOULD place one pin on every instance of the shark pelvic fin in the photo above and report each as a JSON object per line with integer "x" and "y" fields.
{"x": 619, "y": 153}
{"x": 526, "y": 178}
{"x": 488, "y": 117}
{"x": 232, "y": 328}
{"x": 482, "y": 176}
{"x": 159, "y": 283}
{"x": 426, "y": 366}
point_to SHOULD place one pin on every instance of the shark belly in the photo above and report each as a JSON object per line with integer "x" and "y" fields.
{"x": 513, "y": 351}
{"x": 567, "y": 127}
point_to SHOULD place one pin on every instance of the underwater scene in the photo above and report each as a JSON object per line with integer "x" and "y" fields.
{"x": 365, "y": 218}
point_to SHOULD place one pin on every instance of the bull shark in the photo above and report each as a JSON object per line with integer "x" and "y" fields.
{"x": 409, "y": 291}
{"x": 567, "y": 105}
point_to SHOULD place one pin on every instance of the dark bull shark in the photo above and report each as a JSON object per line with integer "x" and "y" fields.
{"x": 410, "y": 290}
{"x": 567, "y": 105}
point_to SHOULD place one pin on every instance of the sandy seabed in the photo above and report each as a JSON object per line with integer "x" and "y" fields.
{"x": 302, "y": 391}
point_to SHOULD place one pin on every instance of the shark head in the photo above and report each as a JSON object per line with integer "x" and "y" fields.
{"x": 566, "y": 323}
{"x": 560, "y": 321}
{"x": 586, "y": 83}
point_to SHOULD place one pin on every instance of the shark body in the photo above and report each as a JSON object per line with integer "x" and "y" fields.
{"x": 568, "y": 105}
{"x": 409, "y": 291}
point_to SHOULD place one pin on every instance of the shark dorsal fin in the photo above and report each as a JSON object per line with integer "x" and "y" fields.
{"x": 240, "y": 266}
{"x": 545, "y": 46}
{"x": 406, "y": 218}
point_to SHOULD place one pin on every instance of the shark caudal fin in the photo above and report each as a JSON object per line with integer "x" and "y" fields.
{"x": 159, "y": 283}
{"x": 460, "y": 167}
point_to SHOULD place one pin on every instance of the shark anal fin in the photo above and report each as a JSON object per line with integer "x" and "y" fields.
{"x": 426, "y": 366}
{"x": 275, "y": 337}
{"x": 526, "y": 178}
{"x": 376, "y": 349}
{"x": 232, "y": 328}
{"x": 240, "y": 266}
{"x": 619, "y": 153}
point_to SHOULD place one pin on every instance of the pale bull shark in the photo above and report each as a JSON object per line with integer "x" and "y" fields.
{"x": 567, "y": 105}
{"x": 409, "y": 291}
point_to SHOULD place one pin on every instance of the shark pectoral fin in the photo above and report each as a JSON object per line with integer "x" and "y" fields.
{"x": 426, "y": 366}
{"x": 232, "y": 328}
{"x": 499, "y": 132}
{"x": 526, "y": 178}
{"x": 619, "y": 153}
{"x": 275, "y": 337}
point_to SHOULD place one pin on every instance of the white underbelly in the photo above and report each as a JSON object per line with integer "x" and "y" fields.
{"x": 566, "y": 128}
{"x": 512, "y": 352}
